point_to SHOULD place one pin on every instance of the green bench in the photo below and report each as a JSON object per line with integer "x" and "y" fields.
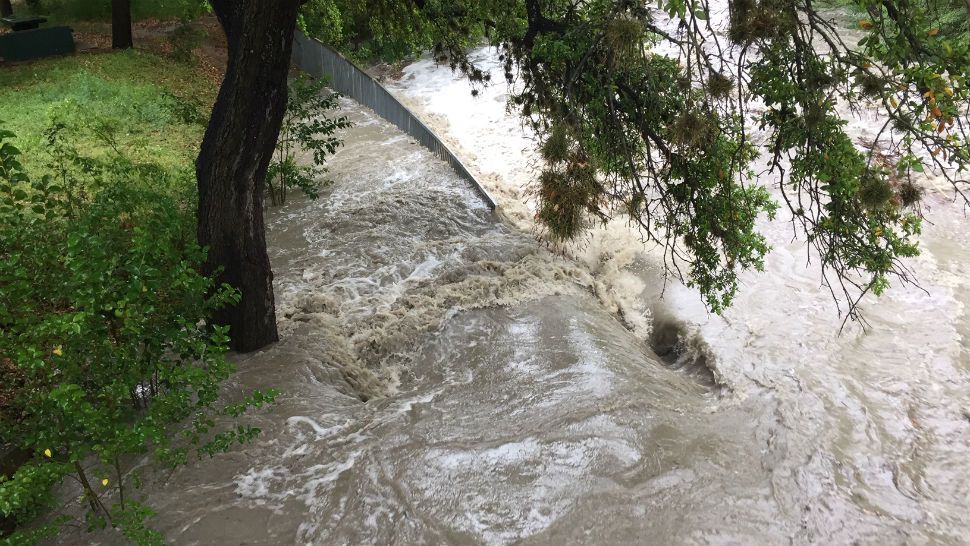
{"x": 29, "y": 41}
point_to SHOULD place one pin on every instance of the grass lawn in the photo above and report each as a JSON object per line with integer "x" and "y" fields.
{"x": 155, "y": 106}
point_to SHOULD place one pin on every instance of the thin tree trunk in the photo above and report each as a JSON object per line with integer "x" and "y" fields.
{"x": 121, "y": 24}
{"x": 5, "y": 8}
{"x": 236, "y": 152}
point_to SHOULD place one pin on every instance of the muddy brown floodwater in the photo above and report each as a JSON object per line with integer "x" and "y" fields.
{"x": 447, "y": 380}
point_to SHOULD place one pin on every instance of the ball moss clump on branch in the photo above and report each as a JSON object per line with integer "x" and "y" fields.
{"x": 740, "y": 13}
{"x": 719, "y": 85}
{"x": 904, "y": 121}
{"x": 871, "y": 85}
{"x": 875, "y": 191}
{"x": 692, "y": 130}
{"x": 556, "y": 147}
{"x": 565, "y": 198}
{"x": 624, "y": 34}
{"x": 751, "y": 21}
{"x": 909, "y": 194}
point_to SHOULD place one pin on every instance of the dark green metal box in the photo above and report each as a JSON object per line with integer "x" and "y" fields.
{"x": 24, "y": 45}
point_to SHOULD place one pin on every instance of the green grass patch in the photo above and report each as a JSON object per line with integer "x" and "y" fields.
{"x": 156, "y": 108}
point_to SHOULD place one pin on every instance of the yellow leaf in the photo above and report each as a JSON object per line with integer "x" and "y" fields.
{"x": 104, "y": 482}
{"x": 933, "y": 31}
{"x": 58, "y": 351}
{"x": 865, "y": 23}
{"x": 47, "y": 453}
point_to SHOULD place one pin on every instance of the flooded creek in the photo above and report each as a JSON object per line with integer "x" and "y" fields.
{"x": 448, "y": 380}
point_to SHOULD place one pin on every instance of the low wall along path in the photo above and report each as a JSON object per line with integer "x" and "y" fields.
{"x": 320, "y": 60}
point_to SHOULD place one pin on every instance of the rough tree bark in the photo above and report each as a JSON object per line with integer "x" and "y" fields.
{"x": 121, "y": 24}
{"x": 235, "y": 155}
{"x": 5, "y": 8}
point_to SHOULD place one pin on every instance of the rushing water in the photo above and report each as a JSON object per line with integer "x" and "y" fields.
{"x": 448, "y": 380}
{"x": 862, "y": 436}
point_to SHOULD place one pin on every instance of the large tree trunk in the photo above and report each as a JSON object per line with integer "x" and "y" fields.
{"x": 5, "y": 8}
{"x": 236, "y": 152}
{"x": 121, "y": 24}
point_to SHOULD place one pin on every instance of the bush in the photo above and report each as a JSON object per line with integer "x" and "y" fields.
{"x": 185, "y": 39}
{"x": 305, "y": 127}
{"x": 369, "y": 33}
{"x": 105, "y": 345}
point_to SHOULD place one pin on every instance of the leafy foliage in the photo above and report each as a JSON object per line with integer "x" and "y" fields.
{"x": 105, "y": 349}
{"x": 382, "y": 30}
{"x": 306, "y": 127}
{"x": 652, "y": 113}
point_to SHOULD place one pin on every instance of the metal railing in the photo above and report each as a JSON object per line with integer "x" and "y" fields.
{"x": 346, "y": 78}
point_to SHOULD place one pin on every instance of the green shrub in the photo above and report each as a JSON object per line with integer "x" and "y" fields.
{"x": 185, "y": 39}
{"x": 369, "y": 32}
{"x": 105, "y": 345}
{"x": 305, "y": 127}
